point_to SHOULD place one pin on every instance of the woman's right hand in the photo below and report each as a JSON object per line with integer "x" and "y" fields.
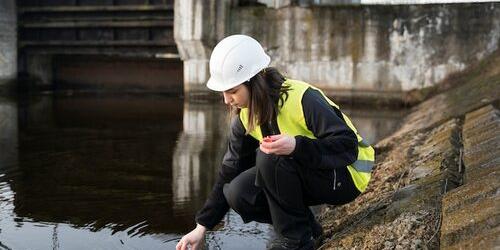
{"x": 195, "y": 239}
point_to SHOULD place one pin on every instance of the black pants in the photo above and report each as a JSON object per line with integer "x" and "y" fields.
{"x": 278, "y": 191}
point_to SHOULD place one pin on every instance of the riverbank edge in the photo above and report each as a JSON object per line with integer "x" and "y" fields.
{"x": 429, "y": 174}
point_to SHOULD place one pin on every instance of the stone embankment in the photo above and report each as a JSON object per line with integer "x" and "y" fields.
{"x": 436, "y": 179}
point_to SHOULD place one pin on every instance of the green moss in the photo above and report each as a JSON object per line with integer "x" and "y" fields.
{"x": 257, "y": 11}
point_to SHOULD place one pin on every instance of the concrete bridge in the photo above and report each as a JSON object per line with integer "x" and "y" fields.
{"x": 364, "y": 49}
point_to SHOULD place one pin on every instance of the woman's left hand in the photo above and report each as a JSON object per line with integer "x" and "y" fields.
{"x": 278, "y": 145}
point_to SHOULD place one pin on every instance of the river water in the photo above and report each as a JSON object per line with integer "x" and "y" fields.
{"x": 121, "y": 172}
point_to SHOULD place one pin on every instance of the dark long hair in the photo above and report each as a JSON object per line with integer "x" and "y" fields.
{"x": 267, "y": 96}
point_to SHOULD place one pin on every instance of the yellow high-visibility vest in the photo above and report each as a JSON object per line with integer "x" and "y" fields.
{"x": 291, "y": 121}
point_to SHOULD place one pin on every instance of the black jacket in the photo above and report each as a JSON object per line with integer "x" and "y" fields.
{"x": 336, "y": 146}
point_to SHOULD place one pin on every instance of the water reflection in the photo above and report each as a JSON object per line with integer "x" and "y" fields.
{"x": 108, "y": 172}
{"x": 8, "y": 134}
{"x": 197, "y": 157}
{"x": 8, "y": 156}
{"x": 98, "y": 167}
{"x": 197, "y": 154}
{"x": 104, "y": 164}
{"x": 374, "y": 124}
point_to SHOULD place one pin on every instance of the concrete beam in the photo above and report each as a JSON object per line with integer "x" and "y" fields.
{"x": 304, "y": 3}
{"x": 100, "y": 8}
{"x": 276, "y": 3}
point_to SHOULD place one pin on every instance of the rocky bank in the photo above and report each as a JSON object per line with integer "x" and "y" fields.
{"x": 436, "y": 179}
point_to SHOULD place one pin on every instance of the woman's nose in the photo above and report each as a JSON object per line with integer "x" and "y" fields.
{"x": 227, "y": 99}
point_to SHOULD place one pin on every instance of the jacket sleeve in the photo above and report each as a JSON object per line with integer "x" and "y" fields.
{"x": 336, "y": 144}
{"x": 240, "y": 155}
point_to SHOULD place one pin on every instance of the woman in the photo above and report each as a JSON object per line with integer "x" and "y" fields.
{"x": 290, "y": 147}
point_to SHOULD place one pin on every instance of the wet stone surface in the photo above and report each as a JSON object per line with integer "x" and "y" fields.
{"x": 471, "y": 213}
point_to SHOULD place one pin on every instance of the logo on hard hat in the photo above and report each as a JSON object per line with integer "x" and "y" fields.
{"x": 240, "y": 67}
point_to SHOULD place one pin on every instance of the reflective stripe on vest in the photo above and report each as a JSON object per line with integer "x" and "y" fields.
{"x": 363, "y": 166}
{"x": 291, "y": 121}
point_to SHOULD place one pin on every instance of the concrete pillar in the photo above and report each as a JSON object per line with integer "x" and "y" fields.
{"x": 198, "y": 25}
{"x": 8, "y": 42}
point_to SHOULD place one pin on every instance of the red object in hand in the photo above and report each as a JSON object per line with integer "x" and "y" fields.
{"x": 268, "y": 139}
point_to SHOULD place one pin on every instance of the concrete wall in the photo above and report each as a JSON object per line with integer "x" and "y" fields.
{"x": 115, "y": 73}
{"x": 367, "y": 49}
{"x": 8, "y": 41}
{"x": 388, "y": 48}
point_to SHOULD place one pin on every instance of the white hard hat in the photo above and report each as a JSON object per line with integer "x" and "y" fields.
{"x": 234, "y": 60}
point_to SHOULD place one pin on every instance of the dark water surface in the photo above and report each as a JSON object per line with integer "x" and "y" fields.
{"x": 120, "y": 172}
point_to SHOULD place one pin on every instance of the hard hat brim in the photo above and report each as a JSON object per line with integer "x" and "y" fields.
{"x": 218, "y": 85}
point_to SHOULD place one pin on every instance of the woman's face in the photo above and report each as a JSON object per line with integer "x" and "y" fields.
{"x": 237, "y": 97}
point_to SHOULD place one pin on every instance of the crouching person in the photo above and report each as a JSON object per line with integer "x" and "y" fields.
{"x": 290, "y": 147}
